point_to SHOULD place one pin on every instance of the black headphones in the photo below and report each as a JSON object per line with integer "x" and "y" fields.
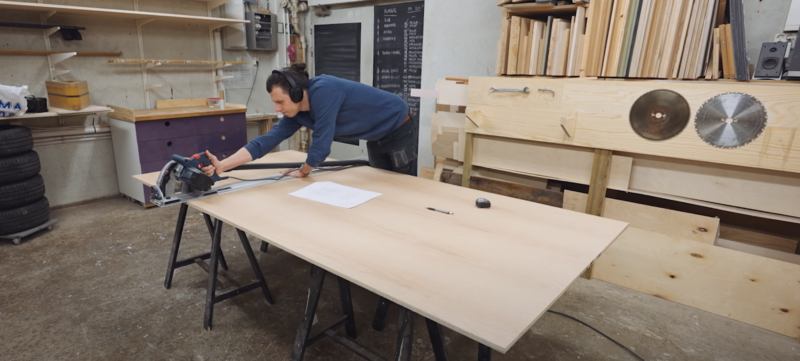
{"x": 295, "y": 92}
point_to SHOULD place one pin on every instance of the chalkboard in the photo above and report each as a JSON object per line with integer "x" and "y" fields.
{"x": 338, "y": 50}
{"x": 398, "y": 50}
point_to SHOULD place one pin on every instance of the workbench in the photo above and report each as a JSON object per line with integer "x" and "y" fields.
{"x": 488, "y": 274}
{"x": 144, "y": 140}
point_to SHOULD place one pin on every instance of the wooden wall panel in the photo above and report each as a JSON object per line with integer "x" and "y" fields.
{"x": 602, "y": 107}
{"x": 664, "y": 221}
{"x": 748, "y": 288}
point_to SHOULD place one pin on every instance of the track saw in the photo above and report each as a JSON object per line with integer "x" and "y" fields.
{"x": 182, "y": 180}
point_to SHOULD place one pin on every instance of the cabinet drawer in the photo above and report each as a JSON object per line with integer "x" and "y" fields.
{"x": 165, "y": 129}
{"x": 164, "y": 149}
{"x": 154, "y": 166}
{"x": 223, "y": 141}
{"x": 224, "y": 123}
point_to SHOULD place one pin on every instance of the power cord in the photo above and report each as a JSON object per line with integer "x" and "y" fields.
{"x": 254, "y": 85}
{"x": 598, "y": 331}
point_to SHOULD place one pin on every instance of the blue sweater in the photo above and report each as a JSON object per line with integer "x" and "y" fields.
{"x": 341, "y": 108}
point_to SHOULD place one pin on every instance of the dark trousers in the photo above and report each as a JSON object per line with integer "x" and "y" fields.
{"x": 397, "y": 152}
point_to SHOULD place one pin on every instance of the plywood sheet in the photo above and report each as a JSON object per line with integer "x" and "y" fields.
{"x": 745, "y": 287}
{"x": 768, "y": 191}
{"x": 664, "y": 221}
{"x": 480, "y": 272}
{"x": 566, "y": 163}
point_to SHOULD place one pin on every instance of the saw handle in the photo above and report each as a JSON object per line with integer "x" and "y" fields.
{"x": 197, "y": 161}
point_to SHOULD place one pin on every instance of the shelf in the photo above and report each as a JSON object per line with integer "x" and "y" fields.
{"x": 183, "y": 62}
{"x": 50, "y": 9}
{"x": 77, "y": 53}
{"x": 58, "y": 112}
{"x": 540, "y": 9}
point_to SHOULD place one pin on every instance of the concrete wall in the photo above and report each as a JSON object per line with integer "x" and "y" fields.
{"x": 460, "y": 41}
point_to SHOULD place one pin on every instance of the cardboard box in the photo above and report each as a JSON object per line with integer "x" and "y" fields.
{"x": 70, "y": 95}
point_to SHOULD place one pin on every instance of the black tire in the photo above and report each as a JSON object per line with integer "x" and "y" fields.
{"x": 19, "y": 167}
{"x": 18, "y": 194}
{"x": 14, "y": 139}
{"x": 25, "y": 217}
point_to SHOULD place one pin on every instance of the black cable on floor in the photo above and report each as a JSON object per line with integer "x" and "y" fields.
{"x": 598, "y": 331}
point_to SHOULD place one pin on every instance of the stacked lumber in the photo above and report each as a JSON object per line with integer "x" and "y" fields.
{"x": 666, "y": 39}
{"x": 541, "y": 44}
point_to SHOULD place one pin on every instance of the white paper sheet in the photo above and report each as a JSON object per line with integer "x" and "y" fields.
{"x": 335, "y": 194}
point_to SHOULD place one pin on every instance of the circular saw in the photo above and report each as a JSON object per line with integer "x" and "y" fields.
{"x": 730, "y": 120}
{"x": 659, "y": 114}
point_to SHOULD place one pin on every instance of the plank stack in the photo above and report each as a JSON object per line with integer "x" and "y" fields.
{"x": 656, "y": 39}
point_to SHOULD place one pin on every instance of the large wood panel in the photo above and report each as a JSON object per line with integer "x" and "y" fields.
{"x": 566, "y": 163}
{"x": 752, "y": 289}
{"x": 601, "y": 110}
{"x": 763, "y": 190}
{"x": 480, "y": 272}
{"x": 664, "y": 221}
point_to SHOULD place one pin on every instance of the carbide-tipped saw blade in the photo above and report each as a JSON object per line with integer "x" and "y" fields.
{"x": 730, "y": 120}
{"x": 659, "y": 114}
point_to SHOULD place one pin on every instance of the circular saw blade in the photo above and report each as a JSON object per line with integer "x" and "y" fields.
{"x": 730, "y": 120}
{"x": 659, "y": 114}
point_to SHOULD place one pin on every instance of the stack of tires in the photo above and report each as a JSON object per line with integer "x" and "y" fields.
{"x": 22, "y": 202}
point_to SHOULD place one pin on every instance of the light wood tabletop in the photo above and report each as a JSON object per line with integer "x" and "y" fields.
{"x": 488, "y": 274}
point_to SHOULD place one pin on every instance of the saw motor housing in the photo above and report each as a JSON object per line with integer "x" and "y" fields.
{"x": 191, "y": 174}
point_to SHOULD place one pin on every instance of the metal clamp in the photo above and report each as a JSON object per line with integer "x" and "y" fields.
{"x": 548, "y": 90}
{"x": 525, "y": 90}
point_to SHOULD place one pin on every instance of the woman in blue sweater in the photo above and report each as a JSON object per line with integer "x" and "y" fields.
{"x": 333, "y": 108}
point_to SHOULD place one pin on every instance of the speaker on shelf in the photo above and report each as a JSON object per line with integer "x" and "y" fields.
{"x": 770, "y": 61}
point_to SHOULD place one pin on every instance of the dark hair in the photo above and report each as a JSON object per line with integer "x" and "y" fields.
{"x": 298, "y": 74}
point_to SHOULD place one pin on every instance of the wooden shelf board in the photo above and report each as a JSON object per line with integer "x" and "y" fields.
{"x": 138, "y": 115}
{"x": 185, "y": 62}
{"x": 531, "y": 9}
{"x": 44, "y": 52}
{"x": 56, "y": 112}
{"x": 125, "y": 14}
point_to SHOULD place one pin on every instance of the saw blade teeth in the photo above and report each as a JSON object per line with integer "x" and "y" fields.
{"x": 751, "y": 128}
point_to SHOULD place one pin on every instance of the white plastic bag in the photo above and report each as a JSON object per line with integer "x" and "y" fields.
{"x": 12, "y": 100}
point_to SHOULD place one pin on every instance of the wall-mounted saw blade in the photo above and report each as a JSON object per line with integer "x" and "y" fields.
{"x": 730, "y": 120}
{"x": 659, "y": 114}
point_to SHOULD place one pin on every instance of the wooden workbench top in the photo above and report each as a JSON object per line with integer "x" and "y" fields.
{"x": 139, "y": 115}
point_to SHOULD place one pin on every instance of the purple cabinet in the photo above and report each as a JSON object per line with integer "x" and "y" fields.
{"x": 165, "y": 129}
{"x": 164, "y": 149}
{"x": 213, "y": 124}
{"x": 221, "y": 141}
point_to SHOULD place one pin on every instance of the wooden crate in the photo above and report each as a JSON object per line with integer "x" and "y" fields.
{"x": 70, "y": 95}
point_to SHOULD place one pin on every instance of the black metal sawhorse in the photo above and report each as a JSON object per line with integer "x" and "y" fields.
{"x": 216, "y": 259}
{"x": 405, "y": 327}
{"x": 434, "y": 330}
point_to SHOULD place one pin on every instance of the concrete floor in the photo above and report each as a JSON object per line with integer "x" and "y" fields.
{"x": 92, "y": 289}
